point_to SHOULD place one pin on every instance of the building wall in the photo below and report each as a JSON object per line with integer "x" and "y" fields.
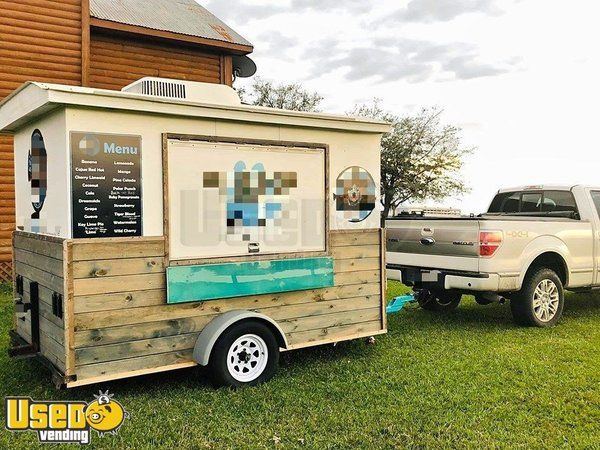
{"x": 117, "y": 60}
{"x": 39, "y": 40}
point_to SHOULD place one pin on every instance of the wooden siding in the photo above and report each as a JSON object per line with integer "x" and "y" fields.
{"x": 118, "y": 60}
{"x": 7, "y": 200}
{"x": 50, "y": 41}
{"x": 40, "y": 259}
{"x": 40, "y": 40}
{"x": 123, "y": 326}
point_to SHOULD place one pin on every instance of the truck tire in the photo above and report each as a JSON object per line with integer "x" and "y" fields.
{"x": 246, "y": 354}
{"x": 438, "y": 300}
{"x": 540, "y": 301}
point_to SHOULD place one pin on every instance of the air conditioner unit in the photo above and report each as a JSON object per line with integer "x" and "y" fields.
{"x": 192, "y": 91}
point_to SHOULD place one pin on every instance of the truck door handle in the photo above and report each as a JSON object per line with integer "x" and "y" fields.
{"x": 428, "y": 241}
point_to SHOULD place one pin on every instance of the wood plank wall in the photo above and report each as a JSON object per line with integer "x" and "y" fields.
{"x": 40, "y": 40}
{"x": 40, "y": 259}
{"x": 123, "y": 324}
{"x": 118, "y": 60}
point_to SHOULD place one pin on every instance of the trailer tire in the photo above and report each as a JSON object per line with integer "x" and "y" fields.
{"x": 438, "y": 301}
{"x": 246, "y": 354}
{"x": 540, "y": 301}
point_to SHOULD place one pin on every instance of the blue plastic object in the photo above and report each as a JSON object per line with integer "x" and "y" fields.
{"x": 398, "y": 303}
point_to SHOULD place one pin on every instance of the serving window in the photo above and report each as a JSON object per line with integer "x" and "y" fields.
{"x": 227, "y": 199}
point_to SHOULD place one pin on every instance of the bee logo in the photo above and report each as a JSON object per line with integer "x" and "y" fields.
{"x": 105, "y": 415}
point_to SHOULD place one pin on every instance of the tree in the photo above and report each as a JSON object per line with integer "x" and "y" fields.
{"x": 283, "y": 96}
{"x": 421, "y": 159}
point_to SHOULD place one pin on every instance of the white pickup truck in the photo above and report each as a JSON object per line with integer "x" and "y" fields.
{"x": 533, "y": 243}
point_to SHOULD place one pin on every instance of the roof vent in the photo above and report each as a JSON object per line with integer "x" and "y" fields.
{"x": 191, "y": 91}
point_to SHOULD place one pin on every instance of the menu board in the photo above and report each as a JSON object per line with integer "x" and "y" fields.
{"x": 106, "y": 185}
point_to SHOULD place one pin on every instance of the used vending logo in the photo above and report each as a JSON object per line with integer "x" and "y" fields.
{"x": 65, "y": 421}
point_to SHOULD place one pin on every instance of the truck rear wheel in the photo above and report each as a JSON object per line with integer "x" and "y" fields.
{"x": 438, "y": 300}
{"x": 246, "y": 354}
{"x": 540, "y": 301}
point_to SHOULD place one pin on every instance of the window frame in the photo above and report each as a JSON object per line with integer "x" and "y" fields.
{"x": 542, "y": 198}
{"x": 596, "y": 207}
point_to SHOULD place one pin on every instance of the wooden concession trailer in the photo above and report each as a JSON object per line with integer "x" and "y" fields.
{"x": 168, "y": 225}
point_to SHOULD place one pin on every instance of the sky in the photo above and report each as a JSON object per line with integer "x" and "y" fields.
{"x": 520, "y": 77}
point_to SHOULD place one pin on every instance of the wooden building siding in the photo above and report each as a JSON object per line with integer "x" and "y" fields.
{"x": 51, "y": 41}
{"x": 117, "y": 60}
{"x": 39, "y": 40}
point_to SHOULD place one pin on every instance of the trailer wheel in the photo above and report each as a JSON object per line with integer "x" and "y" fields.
{"x": 438, "y": 300}
{"x": 246, "y": 354}
{"x": 540, "y": 301}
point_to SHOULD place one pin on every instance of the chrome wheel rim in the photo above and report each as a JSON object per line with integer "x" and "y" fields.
{"x": 546, "y": 300}
{"x": 247, "y": 358}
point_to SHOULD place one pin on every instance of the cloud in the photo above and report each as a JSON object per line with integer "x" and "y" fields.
{"x": 237, "y": 10}
{"x": 415, "y": 11}
{"x": 441, "y": 10}
{"x": 406, "y": 59}
{"x": 383, "y": 59}
{"x": 275, "y": 44}
{"x": 331, "y": 5}
{"x": 240, "y": 10}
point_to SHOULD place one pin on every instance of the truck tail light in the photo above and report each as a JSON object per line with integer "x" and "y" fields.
{"x": 489, "y": 242}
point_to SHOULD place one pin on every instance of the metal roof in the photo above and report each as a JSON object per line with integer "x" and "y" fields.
{"x": 177, "y": 16}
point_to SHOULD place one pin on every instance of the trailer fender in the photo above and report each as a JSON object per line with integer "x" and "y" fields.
{"x": 211, "y": 332}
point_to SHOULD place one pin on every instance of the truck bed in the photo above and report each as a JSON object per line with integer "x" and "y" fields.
{"x": 452, "y": 243}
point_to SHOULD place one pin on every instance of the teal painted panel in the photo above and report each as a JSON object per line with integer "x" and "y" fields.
{"x": 213, "y": 281}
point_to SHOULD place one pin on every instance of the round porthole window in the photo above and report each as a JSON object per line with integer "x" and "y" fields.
{"x": 355, "y": 194}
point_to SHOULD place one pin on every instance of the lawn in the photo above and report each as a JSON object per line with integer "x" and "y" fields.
{"x": 470, "y": 379}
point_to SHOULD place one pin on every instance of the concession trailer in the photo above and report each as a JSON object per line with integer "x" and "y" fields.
{"x": 168, "y": 225}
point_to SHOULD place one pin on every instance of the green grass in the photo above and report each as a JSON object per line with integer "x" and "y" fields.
{"x": 470, "y": 379}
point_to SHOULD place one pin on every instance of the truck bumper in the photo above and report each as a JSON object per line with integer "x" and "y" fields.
{"x": 444, "y": 279}
{"x": 394, "y": 274}
{"x": 466, "y": 283}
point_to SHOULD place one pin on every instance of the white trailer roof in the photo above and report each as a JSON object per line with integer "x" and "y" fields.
{"x": 33, "y": 100}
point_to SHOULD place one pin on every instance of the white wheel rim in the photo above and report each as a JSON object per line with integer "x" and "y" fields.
{"x": 546, "y": 300}
{"x": 247, "y": 358}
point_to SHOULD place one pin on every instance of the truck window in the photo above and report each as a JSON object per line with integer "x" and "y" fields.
{"x": 530, "y": 201}
{"x": 505, "y": 202}
{"x": 596, "y": 199}
{"x": 534, "y": 202}
{"x": 561, "y": 201}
